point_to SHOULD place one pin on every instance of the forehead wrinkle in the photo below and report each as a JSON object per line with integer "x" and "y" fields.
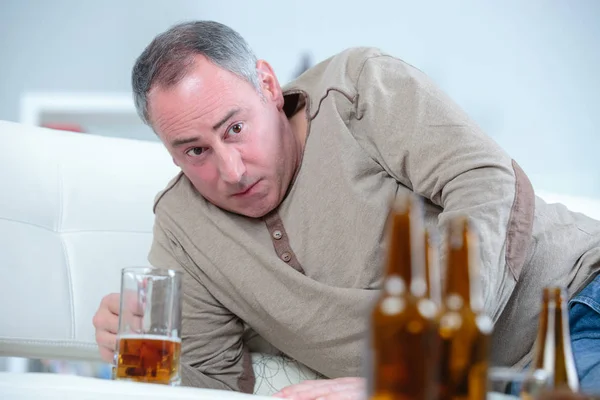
{"x": 174, "y": 121}
{"x": 204, "y": 98}
{"x": 199, "y": 116}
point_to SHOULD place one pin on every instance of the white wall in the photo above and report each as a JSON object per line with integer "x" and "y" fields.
{"x": 527, "y": 71}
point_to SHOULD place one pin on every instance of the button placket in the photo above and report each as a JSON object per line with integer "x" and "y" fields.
{"x": 281, "y": 242}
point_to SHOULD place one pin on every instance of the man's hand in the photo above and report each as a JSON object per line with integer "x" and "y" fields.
{"x": 106, "y": 322}
{"x": 327, "y": 389}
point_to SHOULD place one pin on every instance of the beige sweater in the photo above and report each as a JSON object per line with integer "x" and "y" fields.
{"x": 305, "y": 277}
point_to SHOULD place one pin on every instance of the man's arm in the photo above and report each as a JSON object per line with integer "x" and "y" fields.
{"x": 428, "y": 144}
{"x": 212, "y": 354}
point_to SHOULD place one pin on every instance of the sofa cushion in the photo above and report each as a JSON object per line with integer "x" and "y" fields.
{"x": 74, "y": 210}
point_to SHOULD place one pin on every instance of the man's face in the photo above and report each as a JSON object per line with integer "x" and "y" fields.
{"x": 234, "y": 145}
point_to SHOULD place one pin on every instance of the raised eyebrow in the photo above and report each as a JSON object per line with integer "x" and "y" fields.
{"x": 181, "y": 141}
{"x": 226, "y": 118}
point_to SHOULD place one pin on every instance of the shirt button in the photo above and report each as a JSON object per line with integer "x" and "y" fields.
{"x": 277, "y": 234}
{"x": 286, "y": 256}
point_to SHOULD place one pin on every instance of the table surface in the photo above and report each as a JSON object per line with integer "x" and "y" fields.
{"x": 33, "y": 385}
{"x": 29, "y": 386}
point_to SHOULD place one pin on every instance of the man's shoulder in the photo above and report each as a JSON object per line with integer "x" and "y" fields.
{"x": 171, "y": 197}
{"x": 355, "y": 57}
{"x": 340, "y": 69}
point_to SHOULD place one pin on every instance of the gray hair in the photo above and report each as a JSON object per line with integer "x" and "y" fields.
{"x": 167, "y": 59}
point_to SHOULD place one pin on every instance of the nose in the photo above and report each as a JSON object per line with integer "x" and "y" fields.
{"x": 231, "y": 167}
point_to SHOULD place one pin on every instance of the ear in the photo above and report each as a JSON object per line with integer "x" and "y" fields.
{"x": 269, "y": 84}
{"x": 174, "y": 161}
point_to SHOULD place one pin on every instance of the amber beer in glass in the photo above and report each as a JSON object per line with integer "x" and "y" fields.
{"x": 553, "y": 354}
{"x": 464, "y": 329}
{"x": 403, "y": 330}
{"x": 149, "y": 337}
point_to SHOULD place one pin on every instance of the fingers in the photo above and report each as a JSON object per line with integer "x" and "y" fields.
{"x": 111, "y": 302}
{"x": 331, "y": 389}
{"x": 105, "y": 319}
{"x": 107, "y": 355}
{"x": 107, "y": 342}
{"x": 134, "y": 323}
{"x": 133, "y": 302}
{"x": 106, "y": 322}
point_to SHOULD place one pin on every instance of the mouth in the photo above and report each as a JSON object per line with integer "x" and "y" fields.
{"x": 247, "y": 190}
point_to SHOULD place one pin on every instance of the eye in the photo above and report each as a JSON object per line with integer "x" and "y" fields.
{"x": 235, "y": 129}
{"x": 195, "y": 151}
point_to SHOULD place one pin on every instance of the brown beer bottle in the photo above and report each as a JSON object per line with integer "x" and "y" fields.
{"x": 553, "y": 355}
{"x": 432, "y": 268}
{"x": 464, "y": 330}
{"x": 403, "y": 331}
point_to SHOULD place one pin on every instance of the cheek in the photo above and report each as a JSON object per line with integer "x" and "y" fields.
{"x": 266, "y": 149}
{"x": 204, "y": 177}
{"x": 258, "y": 155}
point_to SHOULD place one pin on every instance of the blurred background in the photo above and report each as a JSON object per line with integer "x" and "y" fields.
{"x": 526, "y": 71}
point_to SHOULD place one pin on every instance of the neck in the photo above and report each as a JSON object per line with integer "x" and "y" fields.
{"x": 298, "y": 124}
{"x": 299, "y": 127}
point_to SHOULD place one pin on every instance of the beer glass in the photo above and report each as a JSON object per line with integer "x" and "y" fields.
{"x": 149, "y": 336}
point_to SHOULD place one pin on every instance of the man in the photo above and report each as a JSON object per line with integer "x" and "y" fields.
{"x": 278, "y": 217}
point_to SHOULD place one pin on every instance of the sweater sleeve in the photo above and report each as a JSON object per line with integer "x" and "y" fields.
{"x": 213, "y": 354}
{"x": 427, "y": 143}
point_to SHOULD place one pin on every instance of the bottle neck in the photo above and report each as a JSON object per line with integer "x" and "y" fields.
{"x": 545, "y": 336}
{"x": 406, "y": 254}
{"x": 553, "y": 349}
{"x": 432, "y": 269}
{"x": 399, "y": 261}
{"x": 565, "y": 374}
{"x": 463, "y": 286}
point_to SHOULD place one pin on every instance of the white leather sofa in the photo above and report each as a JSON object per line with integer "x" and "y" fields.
{"x": 74, "y": 210}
